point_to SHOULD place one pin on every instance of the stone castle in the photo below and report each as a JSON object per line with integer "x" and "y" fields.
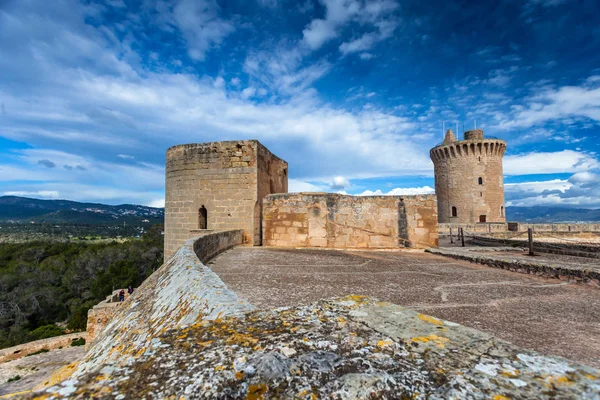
{"x": 469, "y": 183}
{"x": 241, "y": 185}
{"x": 262, "y": 323}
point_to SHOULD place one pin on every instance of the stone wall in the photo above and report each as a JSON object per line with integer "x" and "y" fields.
{"x": 458, "y": 167}
{"x": 53, "y": 343}
{"x": 181, "y": 292}
{"x": 444, "y": 229}
{"x": 101, "y": 313}
{"x": 227, "y": 180}
{"x": 341, "y": 221}
{"x": 272, "y": 178}
{"x": 206, "y": 246}
{"x": 97, "y": 319}
{"x": 209, "y": 246}
{"x": 585, "y": 227}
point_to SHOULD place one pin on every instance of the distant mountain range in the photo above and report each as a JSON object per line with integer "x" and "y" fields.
{"x": 551, "y": 214}
{"x": 21, "y": 209}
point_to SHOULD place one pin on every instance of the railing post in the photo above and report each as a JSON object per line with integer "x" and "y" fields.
{"x": 462, "y": 237}
{"x": 451, "y": 241}
{"x": 530, "y": 238}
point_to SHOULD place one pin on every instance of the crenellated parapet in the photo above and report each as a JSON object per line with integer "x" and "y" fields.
{"x": 468, "y": 148}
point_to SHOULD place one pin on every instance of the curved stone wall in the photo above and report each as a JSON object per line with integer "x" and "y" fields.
{"x": 183, "y": 291}
{"x": 469, "y": 177}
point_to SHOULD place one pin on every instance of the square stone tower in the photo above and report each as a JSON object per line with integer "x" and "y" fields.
{"x": 219, "y": 186}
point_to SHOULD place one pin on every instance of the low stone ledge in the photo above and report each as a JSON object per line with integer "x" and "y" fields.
{"x": 568, "y": 249}
{"x": 348, "y": 348}
{"x": 53, "y": 343}
{"x": 579, "y": 274}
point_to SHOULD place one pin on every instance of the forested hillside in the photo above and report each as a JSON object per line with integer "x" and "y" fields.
{"x": 22, "y": 209}
{"x": 47, "y": 282}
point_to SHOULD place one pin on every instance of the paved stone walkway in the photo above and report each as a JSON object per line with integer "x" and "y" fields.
{"x": 546, "y": 315}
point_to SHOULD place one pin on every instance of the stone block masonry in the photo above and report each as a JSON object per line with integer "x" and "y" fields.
{"x": 219, "y": 186}
{"x": 341, "y": 221}
{"x": 469, "y": 183}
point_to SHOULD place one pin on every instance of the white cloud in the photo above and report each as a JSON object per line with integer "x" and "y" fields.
{"x": 235, "y": 81}
{"x": 297, "y": 186}
{"x": 41, "y": 194}
{"x": 248, "y": 92}
{"x": 126, "y": 156}
{"x": 369, "y": 39}
{"x": 201, "y": 26}
{"x": 549, "y": 163}
{"x": 339, "y": 183}
{"x": 158, "y": 203}
{"x": 565, "y": 103}
{"x": 400, "y": 192}
{"x": 341, "y": 12}
{"x": 318, "y": 32}
{"x": 582, "y": 189}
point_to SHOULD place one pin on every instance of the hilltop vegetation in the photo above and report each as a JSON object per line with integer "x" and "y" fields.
{"x": 21, "y": 209}
{"x": 542, "y": 214}
{"x": 46, "y": 282}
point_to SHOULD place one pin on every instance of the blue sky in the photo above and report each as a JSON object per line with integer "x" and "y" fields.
{"x": 351, "y": 93}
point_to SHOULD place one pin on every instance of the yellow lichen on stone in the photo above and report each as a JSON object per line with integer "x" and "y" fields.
{"x": 554, "y": 381}
{"x": 500, "y": 397}
{"x": 510, "y": 373}
{"x": 58, "y": 376}
{"x": 256, "y": 392}
{"x": 430, "y": 319}
{"x": 384, "y": 343}
{"x": 242, "y": 340}
{"x": 438, "y": 340}
{"x": 357, "y": 298}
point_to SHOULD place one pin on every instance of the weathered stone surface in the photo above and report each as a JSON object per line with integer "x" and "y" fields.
{"x": 341, "y": 221}
{"x": 459, "y": 166}
{"x": 181, "y": 292}
{"x": 347, "y": 348}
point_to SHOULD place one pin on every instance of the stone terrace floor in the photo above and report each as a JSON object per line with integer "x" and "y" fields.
{"x": 545, "y": 315}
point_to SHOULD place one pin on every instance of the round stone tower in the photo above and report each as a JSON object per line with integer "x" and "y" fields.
{"x": 469, "y": 183}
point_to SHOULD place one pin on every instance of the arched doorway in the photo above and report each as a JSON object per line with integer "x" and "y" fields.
{"x": 202, "y": 218}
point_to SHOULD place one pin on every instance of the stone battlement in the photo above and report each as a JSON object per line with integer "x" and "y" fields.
{"x": 469, "y": 182}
